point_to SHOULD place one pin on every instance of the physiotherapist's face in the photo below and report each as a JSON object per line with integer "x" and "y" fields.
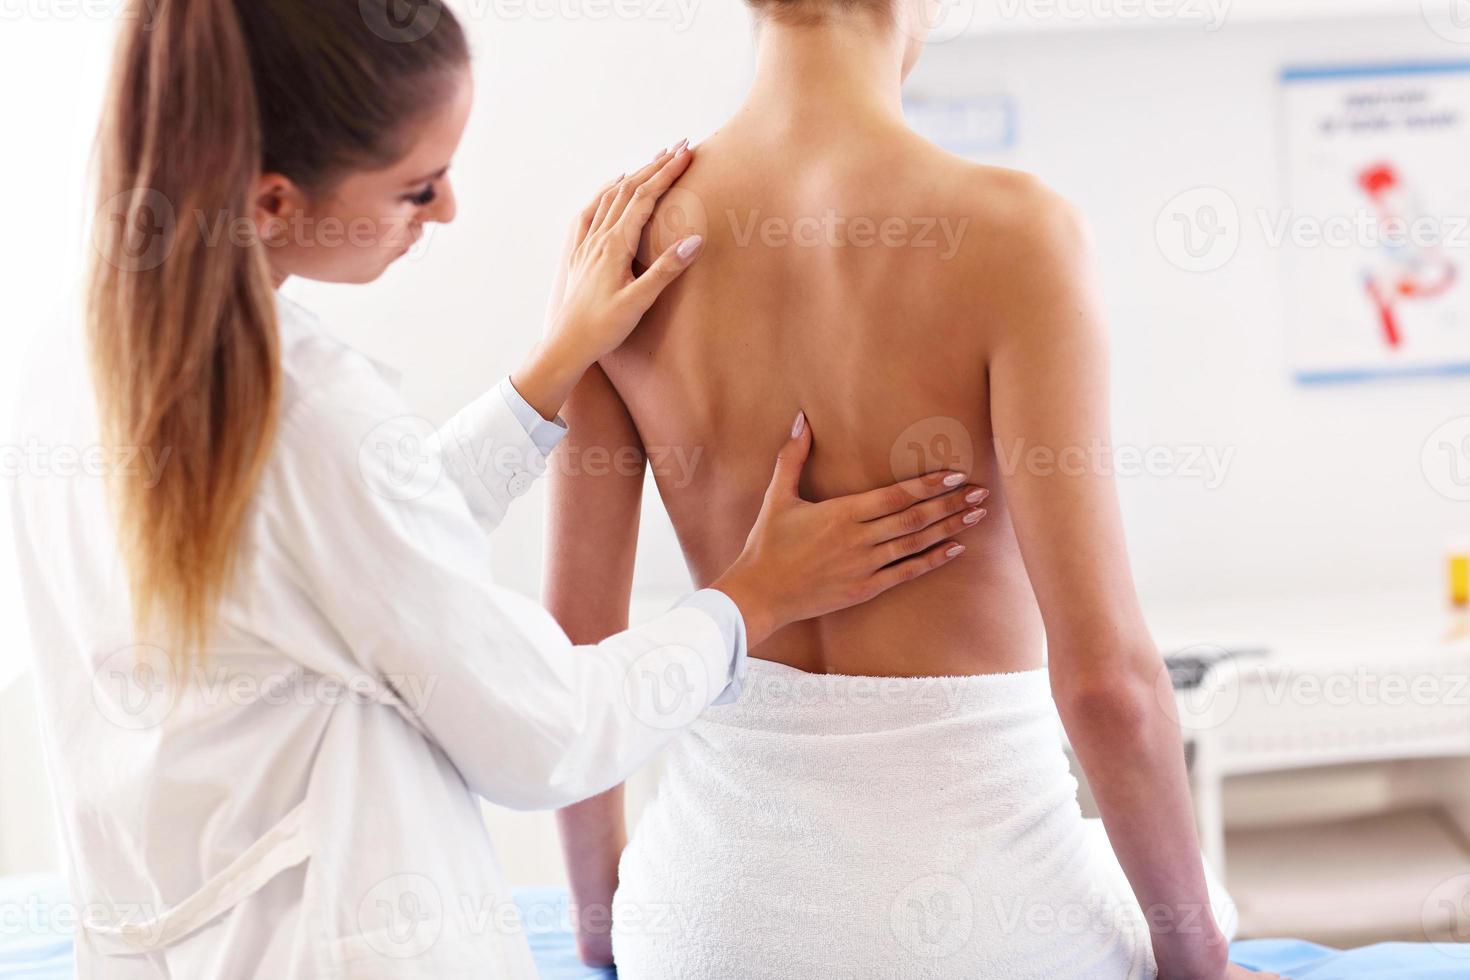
{"x": 367, "y": 220}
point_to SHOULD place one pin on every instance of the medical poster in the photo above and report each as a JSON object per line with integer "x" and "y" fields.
{"x": 1376, "y": 228}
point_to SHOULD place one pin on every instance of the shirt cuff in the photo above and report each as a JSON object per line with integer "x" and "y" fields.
{"x": 722, "y": 609}
{"x": 546, "y": 435}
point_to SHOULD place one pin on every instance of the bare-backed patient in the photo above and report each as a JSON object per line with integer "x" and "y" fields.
{"x": 889, "y": 797}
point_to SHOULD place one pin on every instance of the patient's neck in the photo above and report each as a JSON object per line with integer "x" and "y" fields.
{"x": 811, "y": 78}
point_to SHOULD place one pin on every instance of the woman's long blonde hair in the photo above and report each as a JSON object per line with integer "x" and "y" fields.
{"x": 181, "y": 318}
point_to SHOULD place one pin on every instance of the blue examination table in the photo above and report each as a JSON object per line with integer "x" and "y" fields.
{"x": 31, "y": 948}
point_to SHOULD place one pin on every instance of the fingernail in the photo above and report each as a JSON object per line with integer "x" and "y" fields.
{"x": 689, "y": 246}
{"x": 973, "y": 517}
{"x": 681, "y": 144}
{"x": 661, "y": 153}
{"x": 954, "y": 479}
{"x": 799, "y": 426}
{"x": 955, "y": 552}
{"x": 977, "y": 496}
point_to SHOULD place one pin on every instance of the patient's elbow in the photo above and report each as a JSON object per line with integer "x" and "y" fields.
{"x": 1120, "y": 702}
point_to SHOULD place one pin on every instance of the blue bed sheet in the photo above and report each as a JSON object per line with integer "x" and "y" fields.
{"x": 35, "y": 943}
{"x": 1386, "y": 961}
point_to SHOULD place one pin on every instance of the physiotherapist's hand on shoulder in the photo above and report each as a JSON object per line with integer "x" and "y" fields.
{"x": 598, "y": 299}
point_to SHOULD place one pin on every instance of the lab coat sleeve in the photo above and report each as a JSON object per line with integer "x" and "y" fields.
{"x": 495, "y": 449}
{"x": 395, "y": 559}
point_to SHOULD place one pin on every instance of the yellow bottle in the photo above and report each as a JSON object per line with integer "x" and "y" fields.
{"x": 1460, "y": 578}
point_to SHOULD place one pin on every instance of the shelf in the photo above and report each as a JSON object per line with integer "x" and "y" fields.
{"x": 1008, "y": 17}
{"x": 1346, "y": 882}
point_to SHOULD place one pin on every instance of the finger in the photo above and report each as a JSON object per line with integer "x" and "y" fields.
{"x": 646, "y": 196}
{"x": 915, "y": 567}
{"x": 644, "y": 291}
{"x": 604, "y": 203}
{"x": 926, "y": 514}
{"x": 786, "y": 482}
{"x": 622, "y": 190}
{"x": 589, "y": 213}
{"x": 631, "y": 188}
{"x": 912, "y": 544}
{"x": 884, "y": 501}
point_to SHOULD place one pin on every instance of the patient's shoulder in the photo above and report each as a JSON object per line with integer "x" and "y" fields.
{"x": 1019, "y": 209}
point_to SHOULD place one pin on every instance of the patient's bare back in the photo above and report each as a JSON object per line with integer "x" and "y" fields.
{"x": 862, "y": 278}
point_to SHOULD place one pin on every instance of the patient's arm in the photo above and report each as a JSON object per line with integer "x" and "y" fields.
{"x": 595, "y": 500}
{"x": 1049, "y": 392}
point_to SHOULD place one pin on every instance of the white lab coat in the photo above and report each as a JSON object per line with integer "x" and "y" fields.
{"x": 303, "y": 805}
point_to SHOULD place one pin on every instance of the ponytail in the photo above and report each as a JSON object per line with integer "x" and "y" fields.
{"x": 181, "y": 322}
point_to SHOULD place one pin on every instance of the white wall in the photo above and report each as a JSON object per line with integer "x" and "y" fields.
{"x": 1326, "y": 491}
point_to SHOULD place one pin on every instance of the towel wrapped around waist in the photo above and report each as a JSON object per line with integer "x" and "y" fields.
{"x": 839, "y": 828}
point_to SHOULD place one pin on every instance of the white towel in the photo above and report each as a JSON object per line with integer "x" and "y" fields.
{"x": 843, "y": 828}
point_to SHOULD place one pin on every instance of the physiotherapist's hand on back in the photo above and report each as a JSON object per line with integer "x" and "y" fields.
{"x": 804, "y": 560}
{"x": 598, "y": 300}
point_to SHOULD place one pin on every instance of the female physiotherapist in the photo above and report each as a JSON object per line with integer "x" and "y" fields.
{"x": 275, "y": 672}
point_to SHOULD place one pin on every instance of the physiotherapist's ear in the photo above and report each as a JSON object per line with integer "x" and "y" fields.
{"x": 276, "y": 201}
